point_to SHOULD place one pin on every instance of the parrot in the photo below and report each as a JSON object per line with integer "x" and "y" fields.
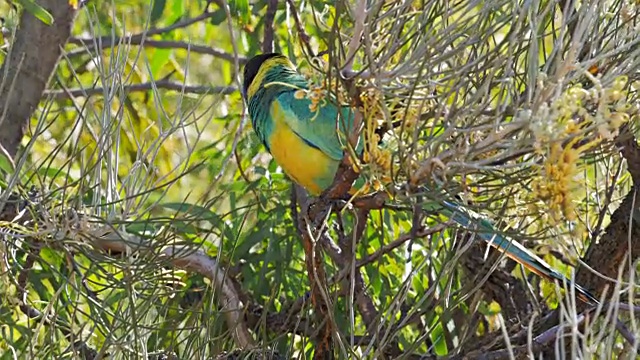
{"x": 306, "y": 139}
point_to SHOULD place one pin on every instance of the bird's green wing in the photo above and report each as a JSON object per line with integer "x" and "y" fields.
{"x": 323, "y": 127}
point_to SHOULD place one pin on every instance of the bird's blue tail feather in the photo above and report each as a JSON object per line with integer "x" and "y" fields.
{"x": 523, "y": 256}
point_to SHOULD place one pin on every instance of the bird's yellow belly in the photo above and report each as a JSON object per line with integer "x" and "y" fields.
{"x": 306, "y": 165}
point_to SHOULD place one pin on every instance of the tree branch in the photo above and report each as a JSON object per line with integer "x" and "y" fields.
{"x": 61, "y": 94}
{"x": 185, "y": 257}
{"x": 108, "y": 41}
{"x": 309, "y": 231}
{"x": 267, "y": 43}
{"x": 499, "y": 286}
{"x": 160, "y": 44}
{"x": 26, "y": 71}
{"x": 621, "y": 238}
{"x": 304, "y": 37}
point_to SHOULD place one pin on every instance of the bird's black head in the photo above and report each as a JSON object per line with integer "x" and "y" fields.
{"x": 252, "y": 68}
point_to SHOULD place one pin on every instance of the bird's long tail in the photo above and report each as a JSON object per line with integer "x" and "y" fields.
{"x": 485, "y": 230}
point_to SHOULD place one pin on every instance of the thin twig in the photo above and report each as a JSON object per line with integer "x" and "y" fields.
{"x": 304, "y": 37}
{"x": 166, "y": 44}
{"x": 358, "y": 30}
{"x": 385, "y": 249}
{"x": 160, "y": 84}
{"x": 136, "y": 39}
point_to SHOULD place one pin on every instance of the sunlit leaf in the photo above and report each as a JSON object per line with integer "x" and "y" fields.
{"x": 157, "y": 10}
{"x": 6, "y": 161}
{"x": 242, "y": 7}
{"x": 36, "y": 10}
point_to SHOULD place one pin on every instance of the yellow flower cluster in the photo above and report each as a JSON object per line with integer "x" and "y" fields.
{"x": 318, "y": 93}
{"x": 371, "y": 100}
{"x": 576, "y": 122}
{"x": 372, "y": 185}
{"x": 378, "y": 159}
{"x": 372, "y": 110}
{"x": 557, "y": 181}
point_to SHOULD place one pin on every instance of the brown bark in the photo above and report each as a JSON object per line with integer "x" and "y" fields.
{"x": 621, "y": 239}
{"x": 499, "y": 286}
{"x": 314, "y": 261}
{"x": 32, "y": 57}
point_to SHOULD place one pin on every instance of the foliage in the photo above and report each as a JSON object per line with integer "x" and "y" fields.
{"x": 142, "y": 183}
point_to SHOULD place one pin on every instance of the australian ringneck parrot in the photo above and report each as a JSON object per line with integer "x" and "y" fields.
{"x": 306, "y": 141}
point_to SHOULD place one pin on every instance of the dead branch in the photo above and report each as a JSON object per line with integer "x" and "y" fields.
{"x": 106, "y": 239}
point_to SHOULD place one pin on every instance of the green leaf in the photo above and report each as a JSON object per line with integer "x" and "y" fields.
{"x": 51, "y": 257}
{"x": 176, "y": 12}
{"x": 159, "y": 59}
{"x": 141, "y": 228}
{"x": 258, "y": 7}
{"x": 184, "y": 228}
{"x": 36, "y": 10}
{"x": 200, "y": 212}
{"x": 242, "y": 9}
{"x": 218, "y": 17}
{"x": 55, "y": 174}
{"x": 157, "y": 10}
{"x": 6, "y": 161}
